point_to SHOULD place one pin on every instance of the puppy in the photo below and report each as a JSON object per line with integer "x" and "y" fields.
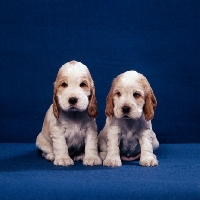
{"x": 127, "y": 134}
{"x": 69, "y": 130}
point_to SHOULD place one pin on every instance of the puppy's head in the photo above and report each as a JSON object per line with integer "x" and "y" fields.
{"x": 131, "y": 96}
{"x": 74, "y": 90}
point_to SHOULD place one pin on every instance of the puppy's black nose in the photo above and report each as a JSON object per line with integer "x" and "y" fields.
{"x": 125, "y": 109}
{"x": 73, "y": 100}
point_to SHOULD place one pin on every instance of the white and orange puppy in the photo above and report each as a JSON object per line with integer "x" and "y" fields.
{"x": 69, "y": 130}
{"x": 127, "y": 134}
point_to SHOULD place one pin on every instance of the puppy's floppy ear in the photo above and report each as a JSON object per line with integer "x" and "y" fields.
{"x": 55, "y": 103}
{"x": 92, "y": 107}
{"x": 109, "y": 104}
{"x": 150, "y": 105}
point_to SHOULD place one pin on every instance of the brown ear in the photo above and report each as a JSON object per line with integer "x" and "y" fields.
{"x": 150, "y": 105}
{"x": 109, "y": 104}
{"x": 55, "y": 103}
{"x": 92, "y": 107}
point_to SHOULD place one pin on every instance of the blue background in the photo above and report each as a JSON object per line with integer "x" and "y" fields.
{"x": 160, "y": 39}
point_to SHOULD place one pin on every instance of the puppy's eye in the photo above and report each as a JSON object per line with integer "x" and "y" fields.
{"x": 64, "y": 84}
{"x": 118, "y": 94}
{"x": 136, "y": 95}
{"x": 83, "y": 84}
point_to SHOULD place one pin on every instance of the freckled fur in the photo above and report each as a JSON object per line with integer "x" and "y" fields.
{"x": 70, "y": 131}
{"x": 132, "y": 137}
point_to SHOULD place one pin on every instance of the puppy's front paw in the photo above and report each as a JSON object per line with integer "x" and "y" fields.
{"x": 92, "y": 160}
{"x": 149, "y": 161}
{"x": 112, "y": 162}
{"x": 48, "y": 156}
{"x": 63, "y": 161}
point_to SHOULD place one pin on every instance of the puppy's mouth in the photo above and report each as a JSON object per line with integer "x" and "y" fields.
{"x": 73, "y": 103}
{"x": 126, "y": 111}
{"x": 73, "y": 108}
{"x": 126, "y": 117}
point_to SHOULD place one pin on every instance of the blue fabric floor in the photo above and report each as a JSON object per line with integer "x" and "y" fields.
{"x": 25, "y": 174}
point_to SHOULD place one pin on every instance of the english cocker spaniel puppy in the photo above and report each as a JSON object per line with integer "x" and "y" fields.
{"x": 69, "y": 130}
{"x": 127, "y": 134}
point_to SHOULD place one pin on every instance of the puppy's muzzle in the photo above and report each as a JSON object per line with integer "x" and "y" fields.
{"x": 126, "y": 109}
{"x": 73, "y": 100}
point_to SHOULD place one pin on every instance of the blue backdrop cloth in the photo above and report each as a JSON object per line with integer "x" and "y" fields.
{"x": 160, "y": 39}
{"x": 26, "y": 175}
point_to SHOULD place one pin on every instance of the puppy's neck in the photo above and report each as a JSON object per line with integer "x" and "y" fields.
{"x": 73, "y": 115}
{"x": 130, "y": 122}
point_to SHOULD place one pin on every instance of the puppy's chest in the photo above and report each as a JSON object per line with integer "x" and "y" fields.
{"x": 75, "y": 135}
{"x": 128, "y": 143}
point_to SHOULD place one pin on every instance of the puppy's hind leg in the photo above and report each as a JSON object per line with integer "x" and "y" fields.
{"x": 102, "y": 155}
{"x": 80, "y": 157}
{"x": 155, "y": 142}
{"x": 45, "y": 146}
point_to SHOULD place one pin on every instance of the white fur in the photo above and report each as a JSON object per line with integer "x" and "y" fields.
{"x": 128, "y": 135}
{"x": 75, "y": 75}
{"x": 73, "y": 136}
